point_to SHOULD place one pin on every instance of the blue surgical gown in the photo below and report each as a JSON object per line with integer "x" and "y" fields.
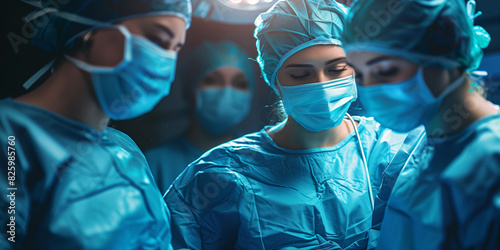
{"x": 448, "y": 197}
{"x": 75, "y": 187}
{"x": 252, "y": 194}
{"x": 169, "y": 159}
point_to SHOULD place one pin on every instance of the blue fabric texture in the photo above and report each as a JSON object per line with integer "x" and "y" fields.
{"x": 169, "y": 159}
{"x": 252, "y": 194}
{"x": 449, "y": 196}
{"x": 437, "y": 33}
{"x": 77, "y": 188}
{"x": 54, "y": 33}
{"x": 291, "y": 26}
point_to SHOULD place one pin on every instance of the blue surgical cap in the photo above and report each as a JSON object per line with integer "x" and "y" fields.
{"x": 437, "y": 33}
{"x": 208, "y": 57}
{"x": 291, "y": 26}
{"x": 60, "y": 22}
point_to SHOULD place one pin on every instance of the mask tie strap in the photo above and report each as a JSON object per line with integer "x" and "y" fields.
{"x": 38, "y": 74}
{"x": 65, "y": 15}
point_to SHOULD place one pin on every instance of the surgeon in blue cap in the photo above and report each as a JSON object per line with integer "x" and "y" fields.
{"x": 217, "y": 80}
{"x": 415, "y": 63}
{"x": 73, "y": 182}
{"x": 317, "y": 180}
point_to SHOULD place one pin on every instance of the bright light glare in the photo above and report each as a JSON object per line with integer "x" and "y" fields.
{"x": 256, "y": 6}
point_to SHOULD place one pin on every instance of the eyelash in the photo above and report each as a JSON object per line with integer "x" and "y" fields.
{"x": 160, "y": 42}
{"x": 338, "y": 70}
{"x": 384, "y": 73}
{"x": 300, "y": 74}
{"x": 299, "y": 77}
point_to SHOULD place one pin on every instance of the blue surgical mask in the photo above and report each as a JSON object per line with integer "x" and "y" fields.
{"x": 319, "y": 106}
{"x": 220, "y": 109}
{"x": 138, "y": 83}
{"x": 404, "y": 105}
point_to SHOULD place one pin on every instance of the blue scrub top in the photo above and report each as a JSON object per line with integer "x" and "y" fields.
{"x": 169, "y": 159}
{"x": 75, "y": 187}
{"x": 448, "y": 197}
{"x": 252, "y": 194}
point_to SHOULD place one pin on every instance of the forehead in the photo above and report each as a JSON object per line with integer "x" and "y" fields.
{"x": 227, "y": 71}
{"x": 367, "y": 59}
{"x": 317, "y": 53}
{"x": 174, "y": 23}
{"x": 166, "y": 19}
{"x": 362, "y": 56}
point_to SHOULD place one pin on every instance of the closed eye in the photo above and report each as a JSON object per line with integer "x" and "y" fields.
{"x": 160, "y": 41}
{"x": 337, "y": 68}
{"x": 393, "y": 71}
{"x": 299, "y": 74}
{"x": 240, "y": 82}
{"x": 210, "y": 80}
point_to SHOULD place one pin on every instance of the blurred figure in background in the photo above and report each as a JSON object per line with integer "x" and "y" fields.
{"x": 217, "y": 80}
{"x": 79, "y": 184}
{"x": 414, "y": 66}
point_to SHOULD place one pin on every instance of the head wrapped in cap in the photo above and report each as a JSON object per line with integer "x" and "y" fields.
{"x": 436, "y": 33}
{"x": 69, "y": 18}
{"x": 208, "y": 57}
{"x": 291, "y": 26}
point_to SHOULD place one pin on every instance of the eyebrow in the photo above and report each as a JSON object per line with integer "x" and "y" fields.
{"x": 376, "y": 60}
{"x": 311, "y": 66}
{"x": 300, "y": 65}
{"x": 335, "y": 60}
{"x": 169, "y": 32}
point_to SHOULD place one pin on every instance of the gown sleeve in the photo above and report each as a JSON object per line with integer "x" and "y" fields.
{"x": 471, "y": 195}
{"x": 205, "y": 208}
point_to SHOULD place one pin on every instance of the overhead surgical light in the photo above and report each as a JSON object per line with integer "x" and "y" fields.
{"x": 253, "y": 2}
{"x": 230, "y": 11}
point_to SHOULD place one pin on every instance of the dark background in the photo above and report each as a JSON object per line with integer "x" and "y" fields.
{"x": 170, "y": 117}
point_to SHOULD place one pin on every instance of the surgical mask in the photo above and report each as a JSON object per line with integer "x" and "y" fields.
{"x": 319, "y": 106}
{"x": 404, "y": 105}
{"x": 138, "y": 83}
{"x": 220, "y": 109}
